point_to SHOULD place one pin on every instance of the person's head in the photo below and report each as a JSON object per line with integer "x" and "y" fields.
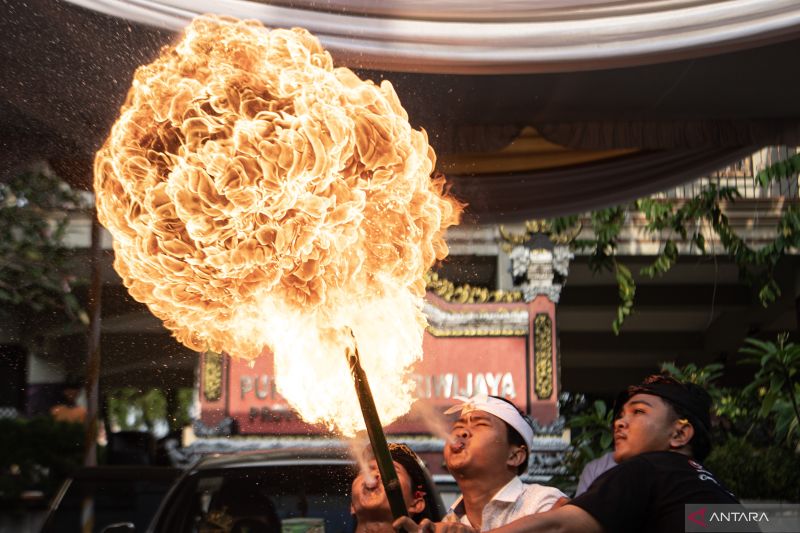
{"x": 663, "y": 414}
{"x": 70, "y": 393}
{"x": 491, "y": 437}
{"x": 368, "y": 501}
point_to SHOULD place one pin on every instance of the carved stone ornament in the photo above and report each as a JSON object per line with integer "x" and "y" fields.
{"x": 561, "y": 258}
{"x": 537, "y": 267}
{"x": 499, "y": 323}
{"x": 540, "y": 267}
{"x": 543, "y": 227}
{"x": 223, "y": 428}
{"x": 467, "y": 294}
{"x": 539, "y": 258}
{"x": 543, "y": 355}
{"x": 553, "y": 292}
{"x": 212, "y": 376}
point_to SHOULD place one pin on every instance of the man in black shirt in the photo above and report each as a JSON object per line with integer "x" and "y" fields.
{"x": 660, "y": 436}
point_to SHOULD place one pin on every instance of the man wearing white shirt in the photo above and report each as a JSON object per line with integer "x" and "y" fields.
{"x": 486, "y": 453}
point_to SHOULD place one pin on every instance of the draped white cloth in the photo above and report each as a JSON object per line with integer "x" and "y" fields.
{"x": 501, "y": 36}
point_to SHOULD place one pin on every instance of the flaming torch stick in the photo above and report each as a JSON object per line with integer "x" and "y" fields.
{"x": 380, "y": 449}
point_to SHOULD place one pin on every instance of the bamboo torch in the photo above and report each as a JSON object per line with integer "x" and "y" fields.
{"x": 380, "y": 449}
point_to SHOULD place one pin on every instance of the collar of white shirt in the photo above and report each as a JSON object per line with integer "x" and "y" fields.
{"x": 508, "y": 494}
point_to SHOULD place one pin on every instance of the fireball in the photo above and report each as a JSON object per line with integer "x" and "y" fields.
{"x": 259, "y": 198}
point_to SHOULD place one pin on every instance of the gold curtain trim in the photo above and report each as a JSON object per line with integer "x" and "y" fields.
{"x": 529, "y": 151}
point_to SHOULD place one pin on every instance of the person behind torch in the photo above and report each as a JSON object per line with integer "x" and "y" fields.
{"x": 594, "y": 469}
{"x": 369, "y": 503}
{"x": 486, "y": 453}
{"x": 71, "y": 408}
{"x": 661, "y": 435}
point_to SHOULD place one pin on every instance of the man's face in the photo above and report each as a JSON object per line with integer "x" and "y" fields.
{"x": 71, "y": 394}
{"x": 478, "y": 445}
{"x": 367, "y": 498}
{"x": 645, "y": 424}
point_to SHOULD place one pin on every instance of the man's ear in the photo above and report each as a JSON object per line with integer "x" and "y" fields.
{"x": 418, "y": 505}
{"x": 682, "y": 433}
{"x": 516, "y": 456}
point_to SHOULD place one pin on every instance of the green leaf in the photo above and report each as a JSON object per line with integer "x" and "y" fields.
{"x": 768, "y": 294}
{"x": 765, "y": 347}
{"x": 600, "y": 408}
{"x": 32, "y": 254}
{"x": 700, "y": 241}
{"x": 627, "y": 292}
{"x": 769, "y": 400}
{"x": 670, "y": 368}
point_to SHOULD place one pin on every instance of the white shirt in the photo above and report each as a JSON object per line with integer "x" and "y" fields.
{"x": 515, "y": 500}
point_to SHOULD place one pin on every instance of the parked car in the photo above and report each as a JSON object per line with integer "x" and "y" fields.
{"x": 291, "y": 490}
{"x": 123, "y": 496}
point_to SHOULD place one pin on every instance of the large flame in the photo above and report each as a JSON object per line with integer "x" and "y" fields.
{"x": 258, "y": 196}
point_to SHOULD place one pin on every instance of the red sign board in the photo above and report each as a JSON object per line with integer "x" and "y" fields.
{"x": 452, "y": 365}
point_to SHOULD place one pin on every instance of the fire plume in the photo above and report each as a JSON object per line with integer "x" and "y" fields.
{"x": 258, "y": 196}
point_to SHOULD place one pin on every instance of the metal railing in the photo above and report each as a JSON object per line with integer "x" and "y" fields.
{"x": 741, "y": 175}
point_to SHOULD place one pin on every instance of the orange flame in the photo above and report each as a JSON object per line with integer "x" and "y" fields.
{"x": 258, "y": 196}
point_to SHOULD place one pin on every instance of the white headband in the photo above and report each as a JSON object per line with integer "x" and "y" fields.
{"x": 499, "y": 408}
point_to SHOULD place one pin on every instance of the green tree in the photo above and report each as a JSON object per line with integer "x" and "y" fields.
{"x": 184, "y": 415}
{"x": 750, "y": 472}
{"x": 777, "y": 383}
{"x": 34, "y": 265}
{"x": 684, "y": 221}
{"x": 592, "y": 435}
{"x": 704, "y": 376}
{"x": 134, "y": 409}
{"x": 732, "y": 408}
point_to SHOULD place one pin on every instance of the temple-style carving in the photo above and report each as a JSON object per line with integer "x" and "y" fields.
{"x": 539, "y": 259}
{"x": 212, "y": 376}
{"x": 446, "y": 322}
{"x": 543, "y": 349}
{"x": 467, "y": 294}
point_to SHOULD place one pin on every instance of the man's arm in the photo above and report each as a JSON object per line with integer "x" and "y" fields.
{"x": 567, "y": 519}
{"x": 561, "y": 502}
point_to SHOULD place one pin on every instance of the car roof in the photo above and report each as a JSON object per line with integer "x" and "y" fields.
{"x": 275, "y": 457}
{"x": 126, "y": 473}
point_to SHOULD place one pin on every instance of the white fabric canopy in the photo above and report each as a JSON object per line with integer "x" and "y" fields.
{"x": 503, "y": 36}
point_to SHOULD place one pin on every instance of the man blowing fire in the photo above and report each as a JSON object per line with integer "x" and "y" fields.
{"x": 661, "y": 435}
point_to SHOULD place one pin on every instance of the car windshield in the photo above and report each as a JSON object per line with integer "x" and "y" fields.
{"x": 294, "y": 498}
{"x": 113, "y": 501}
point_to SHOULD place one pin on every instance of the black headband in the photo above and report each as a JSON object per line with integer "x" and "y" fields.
{"x": 403, "y": 455}
{"x": 688, "y": 398}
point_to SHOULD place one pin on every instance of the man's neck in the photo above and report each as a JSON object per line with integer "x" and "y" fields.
{"x": 479, "y": 491}
{"x": 374, "y": 527}
{"x": 683, "y": 450}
